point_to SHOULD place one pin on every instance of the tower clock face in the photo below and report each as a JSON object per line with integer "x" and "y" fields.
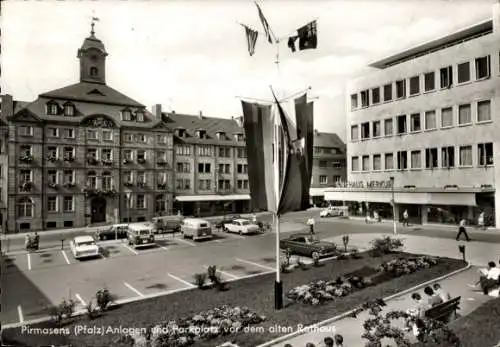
{"x": 93, "y": 57}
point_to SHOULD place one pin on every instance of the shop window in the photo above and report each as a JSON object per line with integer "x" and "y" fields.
{"x": 402, "y": 160}
{"x": 401, "y": 124}
{"x": 430, "y": 120}
{"x": 365, "y": 130}
{"x": 429, "y": 81}
{"x": 463, "y": 72}
{"x": 484, "y": 111}
{"x": 431, "y": 158}
{"x": 485, "y": 154}
{"x": 415, "y": 122}
{"x": 401, "y": 89}
{"x": 68, "y": 224}
{"x": 51, "y": 225}
{"x": 415, "y": 85}
{"x": 483, "y": 67}
{"x": 354, "y": 101}
{"x": 365, "y": 98}
{"x": 446, "y": 77}
{"x": 446, "y": 117}
{"x": 376, "y": 95}
{"x": 388, "y": 92}
{"x": 448, "y": 157}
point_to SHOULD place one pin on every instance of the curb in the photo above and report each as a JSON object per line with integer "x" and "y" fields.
{"x": 312, "y": 327}
{"x": 126, "y": 301}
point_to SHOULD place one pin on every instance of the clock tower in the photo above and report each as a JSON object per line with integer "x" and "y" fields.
{"x": 92, "y": 57}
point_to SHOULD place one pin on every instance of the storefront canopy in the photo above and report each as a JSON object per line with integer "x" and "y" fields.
{"x": 213, "y": 197}
{"x": 420, "y": 198}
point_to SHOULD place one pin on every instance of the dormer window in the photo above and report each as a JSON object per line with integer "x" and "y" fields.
{"x": 221, "y": 135}
{"x": 239, "y": 137}
{"x": 69, "y": 110}
{"x": 126, "y": 115}
{"x": 201, "y": 134}
{"x": 52, "y": 108}
{"x": 181, "y": 132}
{"x": 140, "y": 116}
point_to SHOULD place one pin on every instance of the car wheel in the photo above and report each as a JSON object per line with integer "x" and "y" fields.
{"x": 239, "y": 232}
{"x": 226, "y": 230}
{"x": 314, "y": 255}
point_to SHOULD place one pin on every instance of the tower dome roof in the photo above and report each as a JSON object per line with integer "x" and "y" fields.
{"x": 93, "y": 42}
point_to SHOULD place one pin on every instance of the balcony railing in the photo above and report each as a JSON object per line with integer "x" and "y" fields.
{"x": 91, "y": 191}
{"x": 52, "y": 158}
{"x": 161, "y": 162}
{"x": 162, "y": 186}
{"x": 53, "y": 186}
{"x": 127, "y": 161}
{"x": 141, "y": 160}
{"x": 141, "y": 184}
{"x": 69, "y": 185}
{"x": 26, "y": 158}
{"x": 69, "y": 159}
{"x": 107, "y": 161}
{"x": 26, "y": 186}
{"x": 128, "y": 184}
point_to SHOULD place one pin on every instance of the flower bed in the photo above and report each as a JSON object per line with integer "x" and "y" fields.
{"x": 223, "y": 320}
{"x": 402, "y": 266}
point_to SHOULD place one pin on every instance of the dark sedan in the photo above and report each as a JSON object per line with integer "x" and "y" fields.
{"x": 227, "y": 219}
{"x": 302, "y": 244}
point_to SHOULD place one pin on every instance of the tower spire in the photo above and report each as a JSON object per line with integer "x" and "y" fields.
{"x": 92, "y": 32}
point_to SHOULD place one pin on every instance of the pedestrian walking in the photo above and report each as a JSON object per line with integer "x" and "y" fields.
{"x": 480, "y": 221}
{"x": 462, "y": 230}
{"x": 311, "y": 223}
{"x": 405, "y": 219}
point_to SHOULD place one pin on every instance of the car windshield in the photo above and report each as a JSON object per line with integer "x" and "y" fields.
{"x": 245, "y": 222}
{"x": 144, "y": 232}
{"x": 85, "y": 243}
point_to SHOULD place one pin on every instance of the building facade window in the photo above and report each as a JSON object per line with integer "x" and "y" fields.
{"x": 26, "y": 150}
{"x": 127, "y": 177}
{"x": 429, "y": 81}
{"x": 365, "y": 98}
{"x": 53, "y": 132}
{"x": 205, "y": 150}
{"x": 323, "y": 163}
{"x": 107, "y": 180}
{"x": 401, "y": 89}
{"x": 160, "y": 203}
{"x": 140, "y": 201}
{"x": 141, "y": 177}
{"x": 416, "y": 160}
{"x": 415, "y": 122}
{"x": 25, "y": 208}
{"x": 484, "y": 111}
{"x": 224, "y": 184}
{"x": 323, "y": 179}
{"x": 448, "y": 157}
{"x": 377, "y": 165}
{"x": 463, "y": 72}
{"x": 183, "y": 150}
{"x": 365, "y": 130}
{"x": 126, "y": 115}
{"x": 465, "y": 156}
{"x": 431, "y": 158}
{"x": 52, "y": 108}
{"x": 430, "y": 120}
{"x": 69, "y": 204}
{"x": 107, "y": 135}
{"x": 25, "y": 130}
{"x": 107, "y": 154}
{"x": 355, "y": 164}
{"x": 482, "y": 67}
{"x": 52, "y": 204}
{"x": 377, "y": 129}
{"x": 389, "y": 161}
{"x": 354, "y": 101}
{"x": 464, "y": 114}
{"x": 388, "y": 92}
{"x": 415, "y": 85}
{"x": 92, "y": 179}
{"x": 402, "y": 124}
{"x": 69, "y": 110}
{"x": 376, "y": 95}
{"x": 366, "y": 163}
{"x": 241, "y": 168}
{"x": 161, "y": 140}
{"x": 52, "y": 176}
{"x": 204, "y": 184}
{"x": 388, "y": 127}
{"x": 183, "y": 184}
{"x": 446, "y": 117}
{"x": 141, "y": 155}
{"x": 26, "y": 176}
{"x": 242, "y": 152}
{"x": 204, "y": 168}
{"x": 69, "y": 176}
{"x": 354, "y": 133}
{"x": 91, "y": 135}
{"x": 402, "y": 160}
{"x": 69, "y": 133}
{"x": 183, "y": 167}
{"x": 446, "y": 77}
{"x": 225, "y": 152}
{"x": 485, "y": 154}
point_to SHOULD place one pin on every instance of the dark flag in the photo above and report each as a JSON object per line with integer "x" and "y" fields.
{"x": 291, "y": 43}
{"x": 305, "y": 133}
{"x": 251, "y": 39}
{"x": 259, "y": 132}
{"x": 265, "y": 24}
{"x": 308, "y": 36}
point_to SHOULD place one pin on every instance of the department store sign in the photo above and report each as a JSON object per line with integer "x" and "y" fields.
{"x": 364, "y": 184}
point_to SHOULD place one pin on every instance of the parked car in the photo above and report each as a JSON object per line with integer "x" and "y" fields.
{"x": 116, "y": 231}
{"x": 227, "y": 219}
{"x": 84, "y": 247}
{"x": 141, "y": 234}
{"x": 167, "y": 224}
{"x": 241, "y": 226}
{"x": 334, "y": 211}
{"x": 304, "y": 244}
{"x": 196, "y": 228}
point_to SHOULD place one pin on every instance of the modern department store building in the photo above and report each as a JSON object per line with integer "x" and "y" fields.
{"x": 424, "y": 130}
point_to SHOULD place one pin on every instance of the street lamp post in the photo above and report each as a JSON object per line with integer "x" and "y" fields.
{"x": 127, "y": 194}
{"x": 393, "y": 206}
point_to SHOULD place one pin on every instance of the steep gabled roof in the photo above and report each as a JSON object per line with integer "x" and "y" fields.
{"x": 329, "y": 140}
{"x": 92, "y": 92}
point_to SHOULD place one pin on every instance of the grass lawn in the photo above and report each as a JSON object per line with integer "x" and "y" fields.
{"x": 256, "y": 293}
{"x": 479, "y": 328}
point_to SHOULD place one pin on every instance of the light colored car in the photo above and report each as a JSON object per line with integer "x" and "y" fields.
{"x": 84, "y": 247}
{"x": 241, "y": 226}
{"x": 334, "y": 211}
{"x": 197, "y": 229}
{"x": 141, "y": 234}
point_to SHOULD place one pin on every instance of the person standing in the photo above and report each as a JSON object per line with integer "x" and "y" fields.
{"x": 462, "y": 230}
{"x": 311, "y": 223}
{"x": 405, "y": 219}
{"x": 480, "y": 221}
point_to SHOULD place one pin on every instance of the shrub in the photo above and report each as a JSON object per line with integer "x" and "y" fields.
{"x": 91, "y": 310}
{"x": 385, "y": 245}
{"x": 212, "y": 273}
{"x": 200, "y": 280}
{"x": 355, "y": 254}
{"x": 103, "y": 299}
{"x": 67, "y": 308}
{"x": 55, "y": 314}
{"x": 316, "y": 259}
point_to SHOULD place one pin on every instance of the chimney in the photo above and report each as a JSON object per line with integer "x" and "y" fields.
{"x": 173, "y": 112}
{"x": 156, "y": 111}
{"x": 7, "y": 106}
{"x": 201, "y": 115}
{"x": 239, "y": 120}
{"x": 316, "y": 132}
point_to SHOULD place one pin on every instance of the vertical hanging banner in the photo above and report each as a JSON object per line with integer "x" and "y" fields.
{"x": 251, "y": 36}
{"x": 305, "y": 132}
{"x": 259, "y": 132}
{"x": 265, "y": 25}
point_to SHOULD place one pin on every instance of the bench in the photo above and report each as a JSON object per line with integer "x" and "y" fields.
{"x": 443, "y": 311}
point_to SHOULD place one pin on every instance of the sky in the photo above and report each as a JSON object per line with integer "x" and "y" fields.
{"x": 192, "y": 56}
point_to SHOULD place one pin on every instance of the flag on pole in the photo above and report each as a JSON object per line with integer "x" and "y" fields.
{"x": 95, "y": 19}
{"x": 259, "y": 132}
{"x": 265, "y": 24}
{"x": 251, "y": 39}
{"x": 307, "y": 35}
{"x": 291, "y": 43}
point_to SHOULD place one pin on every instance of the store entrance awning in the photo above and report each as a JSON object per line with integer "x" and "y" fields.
{"x": 212, "y": 197}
